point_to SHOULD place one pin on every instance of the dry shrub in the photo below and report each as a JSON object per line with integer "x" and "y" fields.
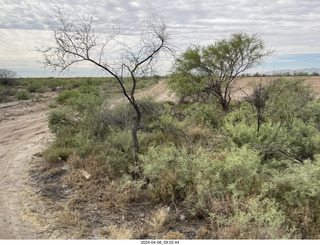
{"x": 72, "y": 221}
{"x": 174, "y": 235}
{"x": 95, "y": 167}
{"x": 117, "y": 233}
{"x": 164, "y": 190}
{"x": 204, "y": 233}
{"x": 68, "y": 218}
{"x": 222, "y": 205}
{"x": 197, "y": 133}
{"x": 114, "y": 200}
{"x": 307, "y": 221}
{"x": 159, "y": 219}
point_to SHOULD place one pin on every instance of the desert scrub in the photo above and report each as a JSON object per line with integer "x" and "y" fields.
{"x": 198, "y": 178}
{"x": 60, "y": 118}
{"x": 170, "y": 171}
{"x": 255, "y": 218}
{"x": 23, "y": 95}
{"x": 57, "y": 154}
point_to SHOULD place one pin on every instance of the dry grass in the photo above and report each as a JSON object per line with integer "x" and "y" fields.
{"x": 72, "y": 221}
{"x": 68, "y": 218}
{"x": 159, "y": 219}
{"x": 164, "y": 191}
{"x": 174, "y": 235}
{"x": 117, "y": 233}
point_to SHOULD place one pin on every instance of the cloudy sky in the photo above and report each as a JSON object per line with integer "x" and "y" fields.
{"x": 290, "y": 27}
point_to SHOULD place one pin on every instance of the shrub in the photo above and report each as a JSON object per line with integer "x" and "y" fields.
{"x": 197, "y": 179}
{"x": 207, "y": 114}
{"x": 170, "y": 171}
{"x": 298, "y": 185}
{"x": 23, "y": 95}
{"x": 60, "y": 118}
{"x": 36, "y": 86}
{"x": 56, "y": 154}
{"x": 297, "y": 190}
{"x": 118, "y": 153}
{"x": 256, "y": 218}
{"x": 67, "y": 95}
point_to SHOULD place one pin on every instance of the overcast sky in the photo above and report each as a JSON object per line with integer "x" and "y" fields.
{"x": 290, "y": 27}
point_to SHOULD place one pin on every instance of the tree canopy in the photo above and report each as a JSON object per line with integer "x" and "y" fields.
{"x": 204, "y": 71}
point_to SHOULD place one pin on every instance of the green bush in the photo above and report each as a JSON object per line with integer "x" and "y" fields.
{"x": 207, "y": 114}
{"x": 201, "y": 177}
{"x": 118, "y": 152}
{"x": 57, "y": 154}
{"x": 67, "y": 95}
{"x": 60, "y": 118}
{"x": 36, "y": 86}
{"x": 23, "y": 95}
{"x": 298, "y": 185}
{"x": 170, "y": 171}
{"x": 256, "y": 218}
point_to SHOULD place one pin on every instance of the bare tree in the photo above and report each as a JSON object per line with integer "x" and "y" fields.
{"x": 76, "y": 40}
{"x": 7, "y": 77}
{"x": 258, "y": 99}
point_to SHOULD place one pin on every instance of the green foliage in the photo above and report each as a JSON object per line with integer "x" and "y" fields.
{"x": 202, "y": 72}
{"x": 67, "y": 95}
{"x": 288, "y": 99}
{"x": 258, "y": 218}
{"x": 208, "y": 115}
{"x": 118, "y": 154}
{"x": 36, "y": 86}
{"x": 60, "y": 118}
{"x": 200, "y": 177}
{"x": 57, "y": 154}
{"x": 298, "y": 185}
{"x": 23, "y": 95}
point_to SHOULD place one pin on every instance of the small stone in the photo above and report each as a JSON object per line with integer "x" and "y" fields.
{"x": 150, "y": 186}
{"x": 182, "y": 217}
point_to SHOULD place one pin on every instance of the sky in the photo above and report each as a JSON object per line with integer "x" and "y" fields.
{"x": 289, "y": 27}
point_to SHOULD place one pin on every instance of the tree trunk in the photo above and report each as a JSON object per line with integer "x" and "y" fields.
{"x": 225, "y": 105}
{"x": 134, "y": 131}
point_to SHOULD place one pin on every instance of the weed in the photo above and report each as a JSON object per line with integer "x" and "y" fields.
{"x": 23, "y": 95}
{"x": 158, "y": 219}
{"x": 117, "y": 233}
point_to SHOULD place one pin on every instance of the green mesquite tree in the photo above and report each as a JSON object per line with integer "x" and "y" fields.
{"x": 202, "y": 71}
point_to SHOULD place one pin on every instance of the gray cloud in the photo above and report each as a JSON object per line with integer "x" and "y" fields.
{"x": 289, "y": 26}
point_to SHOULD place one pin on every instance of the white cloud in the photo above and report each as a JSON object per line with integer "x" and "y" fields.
{"x": 288, "y": 26}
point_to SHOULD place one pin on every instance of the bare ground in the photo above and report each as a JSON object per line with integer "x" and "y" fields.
{"x": 23, "y": 132}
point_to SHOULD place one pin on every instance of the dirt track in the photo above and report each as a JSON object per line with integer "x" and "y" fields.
{"x": 23, "y": 132}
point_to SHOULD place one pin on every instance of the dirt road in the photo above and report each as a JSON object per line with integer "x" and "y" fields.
{"x": 23, "y": 132}
{"x": 159, "y": 92}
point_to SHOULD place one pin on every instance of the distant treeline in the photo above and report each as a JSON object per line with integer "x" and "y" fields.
{"x": 276, "y": 74}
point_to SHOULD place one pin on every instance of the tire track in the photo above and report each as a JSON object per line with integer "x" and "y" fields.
{"x": 20, "y": 138}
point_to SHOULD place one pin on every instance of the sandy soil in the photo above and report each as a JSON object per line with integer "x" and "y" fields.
{"x": 241, "y": 87}
{"x": 23, "y": 132}
{"x": 158, "y": 92}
